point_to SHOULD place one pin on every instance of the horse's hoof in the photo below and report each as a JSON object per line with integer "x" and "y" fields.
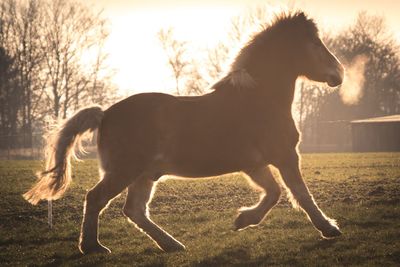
{"x": 239, "y": 224}
{"x": 174, "y": 247}
{"x": 331, "y": 233}
{"x": 91, "y": 249}
{"x": 244, "y": 220}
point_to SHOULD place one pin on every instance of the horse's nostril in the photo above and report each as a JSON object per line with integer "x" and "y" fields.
{"x": 334, "y": 80}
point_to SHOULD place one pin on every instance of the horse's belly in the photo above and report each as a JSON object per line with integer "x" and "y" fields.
{"x": 214, "y": 161}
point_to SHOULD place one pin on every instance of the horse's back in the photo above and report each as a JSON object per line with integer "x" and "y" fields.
{"x": 141, "y": 126}
{"x": 129, "y": 132}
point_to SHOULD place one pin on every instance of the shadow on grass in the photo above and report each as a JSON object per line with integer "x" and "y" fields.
{"x": 39, "y": 241}
{"x": 233, "y": 257}
{"x": 58, "y": 260}
{"x": 241, "y": 257}
{"x": 321, "y": 244}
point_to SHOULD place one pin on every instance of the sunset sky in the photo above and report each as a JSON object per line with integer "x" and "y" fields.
{"x": 136, "y": 54}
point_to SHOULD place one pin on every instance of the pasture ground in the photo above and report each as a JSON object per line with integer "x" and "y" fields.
{"x": 361, "y": 191}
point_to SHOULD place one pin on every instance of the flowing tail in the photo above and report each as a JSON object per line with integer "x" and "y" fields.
{"x": 55, "y": 179}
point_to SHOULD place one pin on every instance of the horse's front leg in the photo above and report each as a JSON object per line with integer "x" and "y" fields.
{"x": 291, "y": 175}
{"x": 263, "y": 178}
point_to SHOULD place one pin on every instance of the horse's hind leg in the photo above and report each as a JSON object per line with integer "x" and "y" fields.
{"x": 291, "y": 175}
{"x": 263, "y": 178}
{"x": 136, "y": 209}
{"x": 96, "y": 200}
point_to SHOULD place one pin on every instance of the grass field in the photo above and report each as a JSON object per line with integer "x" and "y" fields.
{"x": 361, "y": 191}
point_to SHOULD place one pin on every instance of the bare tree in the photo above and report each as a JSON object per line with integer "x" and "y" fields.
{"x": 9, "y": 95}
{"x": 9, "y": 98}
{"x": 20, "y": 35}
{"x": 71, "y": 31}
{"x": 241, "y": 28}
{"x": 101, "y": 90}
{"x": 196, "y": 74}
{"x": 195, "y": 83}
{"x": 245, "y": 24}
{"x": 176, "y": 53}
{"x": 44, "y": 43}
{"x": 216, "y": 61}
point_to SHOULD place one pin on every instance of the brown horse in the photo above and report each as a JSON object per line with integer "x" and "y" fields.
{"x": 244, "y": 125}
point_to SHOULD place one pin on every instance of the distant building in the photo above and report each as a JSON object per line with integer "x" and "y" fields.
{"x": 376, "y": 134}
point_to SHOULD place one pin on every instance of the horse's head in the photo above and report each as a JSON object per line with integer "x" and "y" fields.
{"x": 312, "y": 57}
{"x": 289, "y": 47}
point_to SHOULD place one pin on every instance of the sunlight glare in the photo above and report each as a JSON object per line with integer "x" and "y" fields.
{"x": 136, "y": 54}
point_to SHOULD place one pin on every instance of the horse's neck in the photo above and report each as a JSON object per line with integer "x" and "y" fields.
{"x": 273, "y": 94}
{"x": 276, "y": 79}
{"x": 278, "y": 94}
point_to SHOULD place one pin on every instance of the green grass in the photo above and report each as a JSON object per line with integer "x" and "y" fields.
{"x": 361, "y": 191}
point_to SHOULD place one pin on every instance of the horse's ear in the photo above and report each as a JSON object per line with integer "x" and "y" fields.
{"x": 301, "y": 16}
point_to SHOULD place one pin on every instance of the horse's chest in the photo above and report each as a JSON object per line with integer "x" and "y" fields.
{"x": 277, "y": 138}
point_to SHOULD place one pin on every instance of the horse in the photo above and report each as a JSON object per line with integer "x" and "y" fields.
{"x": 243, "y": 125}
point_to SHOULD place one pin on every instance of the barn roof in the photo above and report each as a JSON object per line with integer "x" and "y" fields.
{"x": 391, "y": 118}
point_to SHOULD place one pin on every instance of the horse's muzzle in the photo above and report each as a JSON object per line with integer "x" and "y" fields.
{"x": 334, "y": 80}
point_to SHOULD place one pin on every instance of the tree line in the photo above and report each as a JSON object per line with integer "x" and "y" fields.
{"x": 52, "y": 62}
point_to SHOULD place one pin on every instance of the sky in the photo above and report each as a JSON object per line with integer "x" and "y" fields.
{"x": 137, "y": 57}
